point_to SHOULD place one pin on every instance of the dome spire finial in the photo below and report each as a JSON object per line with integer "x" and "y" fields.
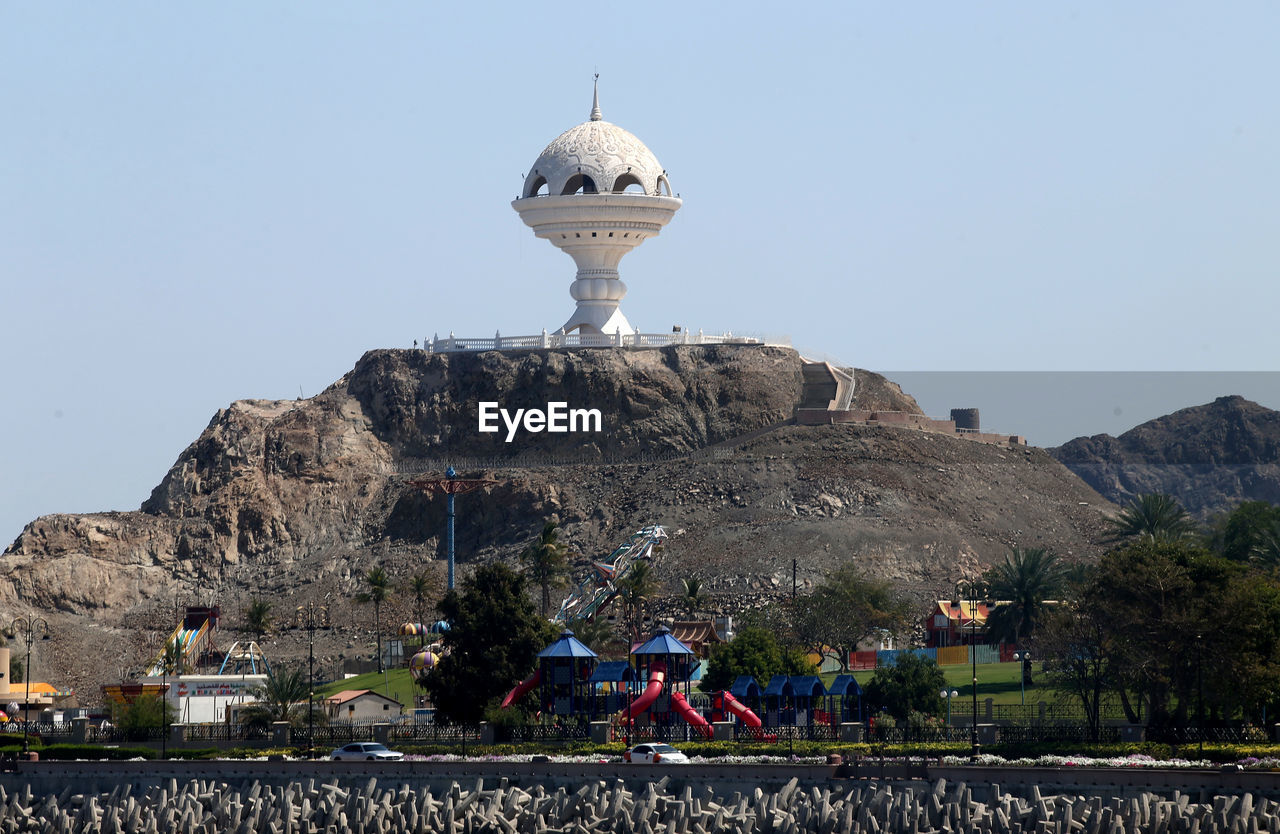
{"x": 595, "y": 100}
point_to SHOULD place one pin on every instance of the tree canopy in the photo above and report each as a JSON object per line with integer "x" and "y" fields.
{"x": 377, "y": 589}
{"x": 1250, "y": 532}
{"x": 547, "y": 563}
{"x": 846, "y": 609}
{"x": 1160, "y": 623}
{"x": 284, "y": 696}
{"x": 753, "y": 651}
{"x": 913, "y": 683}
{"x": 494, "y": 637}
{"x": 1023, "y": 584}
{"x": 1154, "y": 516}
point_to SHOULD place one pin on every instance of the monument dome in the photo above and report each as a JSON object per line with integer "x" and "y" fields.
{"x": 596, "y": 156}
{"x": 596, "y": 192}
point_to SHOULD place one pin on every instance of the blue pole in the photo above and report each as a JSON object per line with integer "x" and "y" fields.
{"x": 450, "y": 474}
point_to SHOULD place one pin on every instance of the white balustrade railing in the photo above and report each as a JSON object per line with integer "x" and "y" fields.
{"x": 456, "y": 344}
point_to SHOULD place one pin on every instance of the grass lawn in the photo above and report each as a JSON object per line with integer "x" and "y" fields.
{"x": 399, "y": 685}
{"x": 997, "y": 681}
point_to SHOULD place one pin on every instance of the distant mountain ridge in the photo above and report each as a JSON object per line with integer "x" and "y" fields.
{"x": 1210, "y": 457}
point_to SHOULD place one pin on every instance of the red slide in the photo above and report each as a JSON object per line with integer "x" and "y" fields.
{"x": 746, "y": 716}
{"x": 657, "y": 674}
{"x": 691, "y": 715}
{"x": 522, "y": 687}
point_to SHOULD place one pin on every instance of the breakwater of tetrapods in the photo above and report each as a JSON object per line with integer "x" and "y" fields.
{"x": 673, "y": 803}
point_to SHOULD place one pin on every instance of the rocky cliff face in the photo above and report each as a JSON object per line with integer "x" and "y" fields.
{"x": 293, "y": 501}
{"x": 1210, "y": 457}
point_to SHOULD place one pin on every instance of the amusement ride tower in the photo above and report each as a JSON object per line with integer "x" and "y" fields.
{"x": 597, "y": 193}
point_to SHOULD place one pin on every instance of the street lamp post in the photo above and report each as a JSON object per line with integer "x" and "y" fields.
{"x": 28, "y": 627}
{"x": 973, "y": 591}
{"x": 1023, "y": 658}
{"x": 309, "y": 613}
{"x": 947, "y": 696}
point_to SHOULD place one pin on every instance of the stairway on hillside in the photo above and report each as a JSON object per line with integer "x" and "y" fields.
{"x": 825, "y": 387}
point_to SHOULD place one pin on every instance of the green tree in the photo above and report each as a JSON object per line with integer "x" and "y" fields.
{"x": 846, "y": 609}
{"x": 173, "y": 659}
{"x": 258, "y": 617}
{"x": 421, "y": 587}
{"x": 635, "y": 589}
{"x": 140, "y": 717}
{"x": 494, "y": 637}
{"x": 1022, "y": 585}
{"x": 284, "y": 696}
{"x": 1250, "y": 532}
{"x": 1151, "y": 516}
{"x": 1081, "y": 657}
{"x": 691, "y": 596}
{"x": 378, "y": 588}
{"x": 753, "y": 651}
{"x": 547, "y": 563}
{"x": 913, "y": 683}
{"x": 596, "y": 634}
{"x": 1187, "y": 623}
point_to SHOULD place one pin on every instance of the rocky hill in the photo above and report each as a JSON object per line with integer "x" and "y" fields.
{"x": 1210, "y": 457}
{"x": 294, "y": 500}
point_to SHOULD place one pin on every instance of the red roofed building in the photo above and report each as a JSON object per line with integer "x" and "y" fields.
{"x": 952, "y": 623}
{"x": 361, "y": 705}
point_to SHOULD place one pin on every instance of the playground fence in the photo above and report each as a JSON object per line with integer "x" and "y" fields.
{"x": 1220, "y": 734}
{"x": 435, "y": 732}
{"x": 537, "y": 732}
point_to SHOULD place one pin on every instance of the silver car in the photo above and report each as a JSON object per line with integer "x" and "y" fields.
{"x": 365, "y": 751}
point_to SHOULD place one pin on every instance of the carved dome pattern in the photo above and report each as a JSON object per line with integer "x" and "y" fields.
{"x": 597, "y": 149}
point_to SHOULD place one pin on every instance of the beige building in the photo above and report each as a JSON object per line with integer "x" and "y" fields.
{"x": 361, "y": 705}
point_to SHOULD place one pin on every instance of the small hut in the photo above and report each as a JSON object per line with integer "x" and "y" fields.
{"x": 844, "y": 700}
{"x": 566, "y": 667}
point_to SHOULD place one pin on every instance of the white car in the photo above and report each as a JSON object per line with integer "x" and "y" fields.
{"x": 655, "y": 754}
{"x": 365, "y": 751}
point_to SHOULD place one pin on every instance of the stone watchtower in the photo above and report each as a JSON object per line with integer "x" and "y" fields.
{"x": 597, "y": 193}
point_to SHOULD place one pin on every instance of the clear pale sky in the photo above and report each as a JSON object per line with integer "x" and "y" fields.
{"x": 207, "y": 202}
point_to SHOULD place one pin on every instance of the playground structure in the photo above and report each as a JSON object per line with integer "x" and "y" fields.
{"x": 194, "y": 639}
{"x": 595, "y": 592}
{"x": 648, "y": 694}
{"x": 244, "y": 659}
{"x": 428, "y": 654}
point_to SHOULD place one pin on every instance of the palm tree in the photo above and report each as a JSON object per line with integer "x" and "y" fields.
{"x": 283, "y": 697}
{"x": 379, "y": 588}
{"x": 692, "y": 596}
{"x": 1267, "y": 550}
{"x": 595, "y": 634}
{"x": 547, "y": 562}
{"x": 420, "y": 585}
{"x": 1022, "y": 586}
{"x": 257, "y": 618}
{"x": 636, "y": 588}
{"x": 1153, "y": 516}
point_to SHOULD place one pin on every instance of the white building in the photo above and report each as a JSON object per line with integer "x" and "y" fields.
{"x": 597, "y": 192}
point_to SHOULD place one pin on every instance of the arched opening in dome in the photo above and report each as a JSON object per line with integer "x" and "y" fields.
{"x": 628, "y": 182}
{"x": 664, "y": 187}
{"x": 537, "y": 188}
{"x": 579, "y": 184}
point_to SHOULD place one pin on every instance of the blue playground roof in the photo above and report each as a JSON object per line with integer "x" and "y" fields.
{"x": 566, "y": 646}
{"x": 662, "y": 643}
{"x": 807, "y": 686}
{"x": 778, "y": 685}
{"x": 845, "y": 685}
{"x": 612, "y": 671}
{"x": 745, "y": 687}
